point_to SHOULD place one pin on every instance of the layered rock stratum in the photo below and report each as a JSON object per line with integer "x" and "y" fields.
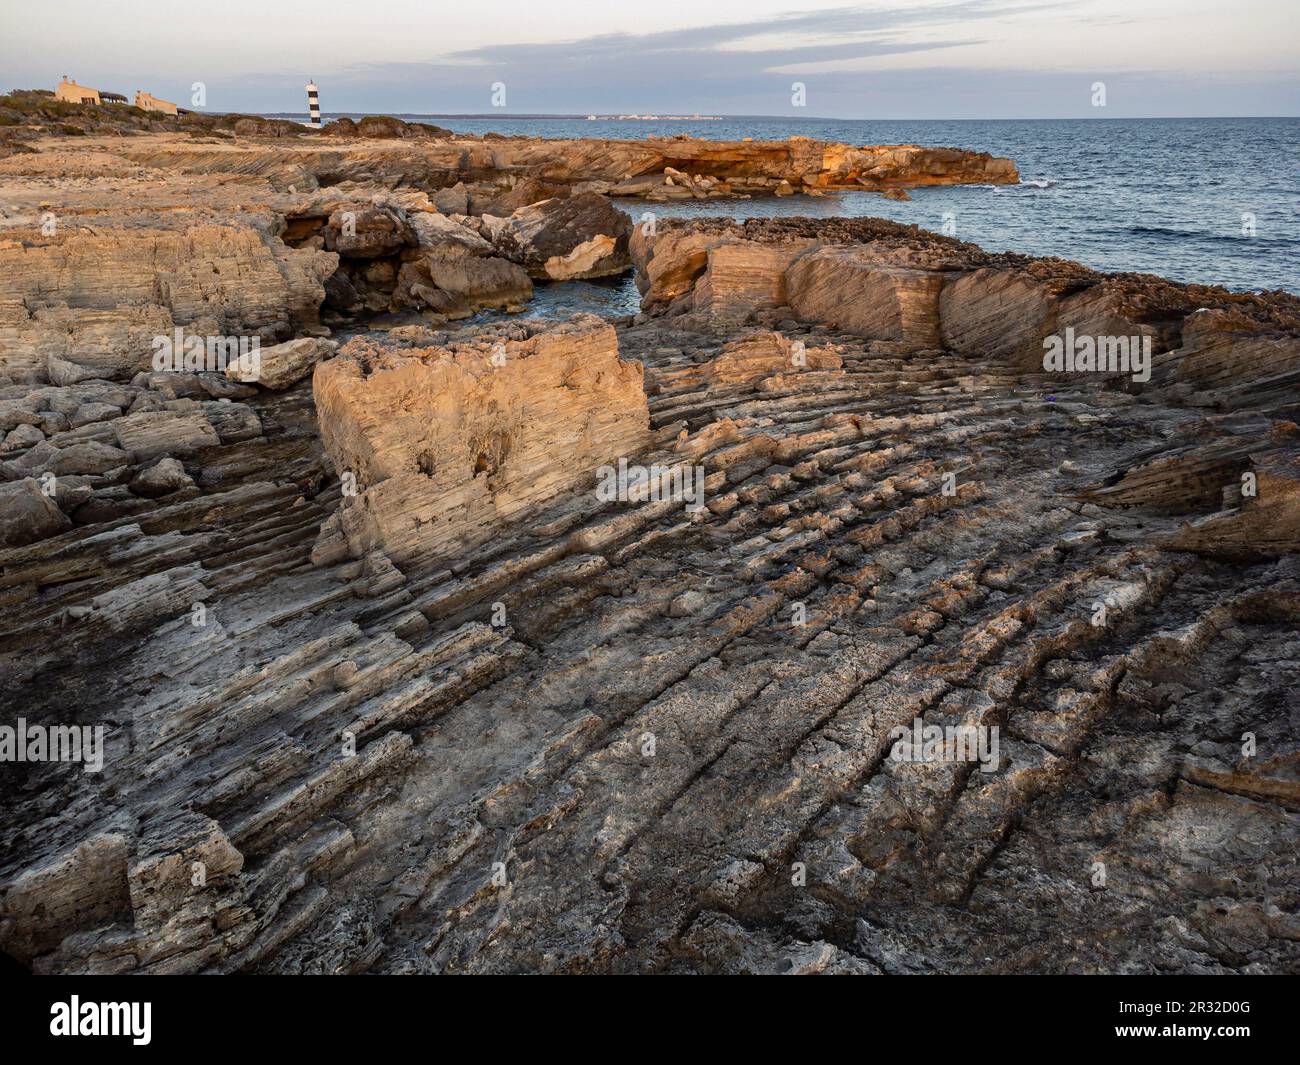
{"x": 389, "y": 684}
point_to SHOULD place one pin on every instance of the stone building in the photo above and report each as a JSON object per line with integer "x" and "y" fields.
{"x": 148, "y": 102}
{"x": 70, "y": 92}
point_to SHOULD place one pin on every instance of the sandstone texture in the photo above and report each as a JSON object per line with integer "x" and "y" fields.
{"x": 887, "y": 281}
{"x": 583, "y": 235}
{"x": 108, "y": 242}
{"x": 655, "y": 168}
{"x": 387, "y": 684}
{"x": 449, "y": 444}
{"x": 281, "y": 365}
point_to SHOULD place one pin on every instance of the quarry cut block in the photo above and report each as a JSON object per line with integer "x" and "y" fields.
{"x": 450, "y": 443}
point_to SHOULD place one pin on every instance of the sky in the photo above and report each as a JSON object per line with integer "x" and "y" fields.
{"x": 910, "y": 59}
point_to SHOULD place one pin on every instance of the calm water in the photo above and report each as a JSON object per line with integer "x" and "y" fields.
{"x": 1162, "y": 196}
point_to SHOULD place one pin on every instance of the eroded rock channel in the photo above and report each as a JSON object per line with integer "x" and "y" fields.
{"x": 388, "y": 683}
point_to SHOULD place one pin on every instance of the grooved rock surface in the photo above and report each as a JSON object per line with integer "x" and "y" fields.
{"x": 742, "y": 276}
{"x": 459, "y": 713}
{"x": 99, "y": 297}
{"x": 878, "y": 301}
{"x": 27, "y": 514}
{"x": 455, "y": 282}
{"x": 1001, "y": 312}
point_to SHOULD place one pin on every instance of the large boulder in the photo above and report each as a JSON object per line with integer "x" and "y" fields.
{"x": 367, "y": 231}
{"x": 437, "y": 232}
{"x": 88, "y": 457}
{"x": 455, "y": 282}
{"x": 583, "y": 235}
{"x": 456, "y": 271}
{"x": 21, "y": 437}
{"x": 453, "y": 200}
{"x": 451, "y": 443}
{"x": 163, "y": 478}
{"x": 27, "y": 514}
{"x": 148, "y": 434}
{"x": 281, "y": 365}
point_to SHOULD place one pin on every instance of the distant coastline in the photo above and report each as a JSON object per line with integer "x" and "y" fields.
{"x": 1079, "y": 189}
{"x": 503, "y": 116}
{"x": 419, "y": 115}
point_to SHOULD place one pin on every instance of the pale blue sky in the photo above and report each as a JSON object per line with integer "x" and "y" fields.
{"x": 909, "y": 59}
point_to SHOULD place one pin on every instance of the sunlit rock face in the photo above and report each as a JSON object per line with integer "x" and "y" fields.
{"x": 100, "y": 296}
{"x": 582, "y": 235}
{"x": 451, "y": 442}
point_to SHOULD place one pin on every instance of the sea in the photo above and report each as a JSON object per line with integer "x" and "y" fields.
{"x": 1208, "y": 200}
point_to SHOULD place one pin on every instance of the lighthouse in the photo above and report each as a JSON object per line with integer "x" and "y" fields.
{"x": 313, "y": 104}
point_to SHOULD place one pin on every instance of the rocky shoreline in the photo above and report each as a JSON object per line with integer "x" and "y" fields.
{"x": 388, "y": 685}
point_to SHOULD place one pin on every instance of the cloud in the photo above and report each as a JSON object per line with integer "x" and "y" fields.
{"x": 722, "y": 68}
{"x": 958, "y": 59}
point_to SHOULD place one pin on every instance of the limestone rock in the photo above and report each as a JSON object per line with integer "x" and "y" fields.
{"x": 72, "y": 890}
{"x": 998, "y": 313}
{"x": 1229, "y": 353}
{"x": 455, "y": 282}
{"x": 164, "y": 477}
{"x": 89, "y": 413}
{"x": 281, "y": 365}
{"x": 368, "y": 231}
{"x": 27, "y": 514}
{"x": 742, "y": 277}
{"x": 751, "y": 358}
{"x": 1264, "y": 524}
{"x": 450, "y": 443}
{"x": 436, "y": 231}
{"x": 13, "y": 414}
{"x": 101, "y": 297}
{"x": 21, "y": 437}
{"x": 89, "y": 457}
{"x": 655, "y": 716}
{"x": 583, "y": 235}
{"x": 453, "y": 200}
{"x": 65, "y": 372}
{"x": 857, "y": 293}
{"x": 149, "y": 434}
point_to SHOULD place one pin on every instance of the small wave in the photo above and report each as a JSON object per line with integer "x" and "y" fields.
{"x": 1038, "y": 183}
{"x": 1167, "y": 233}
{"x": 1163, "y": 231}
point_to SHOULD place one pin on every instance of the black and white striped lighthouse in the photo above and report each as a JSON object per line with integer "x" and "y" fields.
{"x": 313, "y": 104}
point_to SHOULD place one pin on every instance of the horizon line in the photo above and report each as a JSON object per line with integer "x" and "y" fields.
{"x": 781, "y": 118}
